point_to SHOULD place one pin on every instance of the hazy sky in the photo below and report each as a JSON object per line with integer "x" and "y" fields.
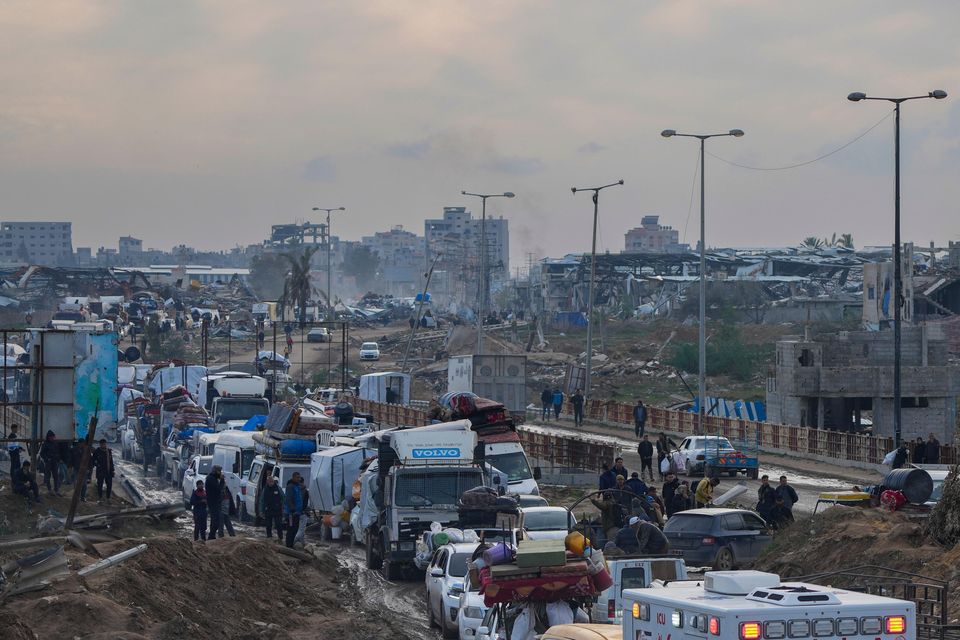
{"x": 206, "y": 122}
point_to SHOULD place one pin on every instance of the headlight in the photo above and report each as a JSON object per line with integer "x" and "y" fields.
{"x": 473, "y": 612}
{"x": 455, "y": 591}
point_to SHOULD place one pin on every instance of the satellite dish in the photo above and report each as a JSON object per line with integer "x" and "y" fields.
{"x": 132, "y": 354}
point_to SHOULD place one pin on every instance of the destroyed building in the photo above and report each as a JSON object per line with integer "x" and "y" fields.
{"x": 844, "y": 381}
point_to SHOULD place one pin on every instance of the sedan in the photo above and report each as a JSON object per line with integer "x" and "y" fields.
{"x": 472, "y": 610}
{"x": 444, "y": 581}
{"x": 319, "y": 334}
{"x": 369, "y": 351}
{"x": 547, "y": 523}
{"x": 720, "y": 538}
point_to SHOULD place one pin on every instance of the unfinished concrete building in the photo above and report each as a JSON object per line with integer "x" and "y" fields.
{"x": 844, "y": 381}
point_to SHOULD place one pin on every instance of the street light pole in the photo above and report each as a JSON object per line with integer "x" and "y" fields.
{"x": 484, "y": 284}
{"x": 593, "y": 273}
{"x": 857, "y": 96}
{"x": 330, "y": 315}
{"x": 702, "y": 337}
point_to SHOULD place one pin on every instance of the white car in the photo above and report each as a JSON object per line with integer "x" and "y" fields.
{"x": 472, "y": 610}
{"x": 693, "y": 451}
{"x": 444, "y": 580}
{"x": 369, "y": 351}
{"x": 198, "y": 469}
{"x": 547, "y": 523}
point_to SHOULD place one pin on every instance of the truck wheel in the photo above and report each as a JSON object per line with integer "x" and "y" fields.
{"x": 392, "y": 572}
{"x": 724, "y": 560}
{"x": 754, "y": 474}
{"x": 374, "y": 561}
{"x": 732, "y": 473}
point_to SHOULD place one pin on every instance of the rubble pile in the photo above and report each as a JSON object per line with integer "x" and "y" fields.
{"x": 231, "y": 588}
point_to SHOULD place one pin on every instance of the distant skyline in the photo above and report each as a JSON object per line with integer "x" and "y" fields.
{"x": 205, "y": 123}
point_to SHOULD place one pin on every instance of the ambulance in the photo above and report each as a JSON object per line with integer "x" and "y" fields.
{"x": 753, "y": 605}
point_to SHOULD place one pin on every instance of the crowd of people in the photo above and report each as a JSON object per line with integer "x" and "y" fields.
{"x": 917, "y": 452}
{"x": 283, "y": 511}
{"x": 59, "y": 463}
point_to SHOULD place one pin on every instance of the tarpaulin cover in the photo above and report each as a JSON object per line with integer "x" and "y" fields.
{"x": 333, "y": 472}
{"x": 254, "y": 423}
{"x": 189, "y": 376}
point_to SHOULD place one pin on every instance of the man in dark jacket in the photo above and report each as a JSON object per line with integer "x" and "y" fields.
{"x": 214, "y": 487}
{"x": 919, "y": 451}
{"x": 645, "y": 449}
{"x": 293, "y": 504}
{"x": 50, "y": 453}
{"x": 102, "y": 461}
{"x": 619, "y": 469}
{"x": 639, "y": 418}
{"x": 651, "y": 540}
{"x": 608, "y": 479}
{"x": 271, "y": 506}
{"x": 786, "y": 493}
{"x": 626, "y": 539}
{"x": 931, "y": 453}
{"x": 900, "y": 458}
{"x": 766, "y": 497}
{"x": 546, "y": 402}
{"x": 14, "y": 449}
{"x": 577, "y": 401}
{"x": 24, "y": 484}
{"x": 668, "y": 490}
{"x": 636, "y": 485}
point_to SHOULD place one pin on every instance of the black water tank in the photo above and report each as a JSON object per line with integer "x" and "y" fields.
{"x": 915, "y": 484}
{"x": 343, "y": 412}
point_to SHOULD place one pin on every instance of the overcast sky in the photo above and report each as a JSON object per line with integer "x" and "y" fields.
{"x": 206, "y": 122}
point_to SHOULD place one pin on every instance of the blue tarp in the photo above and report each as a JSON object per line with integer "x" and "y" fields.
{"x": 570, "y": 318}
{"x": 740, "y": 409}
{"x": 254, "y": 423}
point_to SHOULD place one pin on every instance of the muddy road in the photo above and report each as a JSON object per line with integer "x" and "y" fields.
{"x": 402, "y": 602}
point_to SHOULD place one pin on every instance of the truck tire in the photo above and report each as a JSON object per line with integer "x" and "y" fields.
{"x": 392, "y": 572}
{"x": 374, "y": 561}
{"x": 724, "y": 560}
{"x": 754, "y": 473}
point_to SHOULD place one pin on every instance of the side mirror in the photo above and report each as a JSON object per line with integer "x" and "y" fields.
{"x": 537, "y": 473}
{"x": 190, "y": 472}
{"x": 436, "y": 572}
{"x": 482, "y": 631}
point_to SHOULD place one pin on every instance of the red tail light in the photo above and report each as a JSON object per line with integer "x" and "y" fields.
{"x": 611, "y": 609}
{"x": 709, "y": 540}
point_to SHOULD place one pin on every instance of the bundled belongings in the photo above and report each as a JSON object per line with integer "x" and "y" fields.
{"x": 190, "y": 414}
{"x": 283, "y": 446}
{"x": 484, "y": 507}
{"x": 463, "y": 405}
{"x": 541, "y": 570}
{"x": 172, "y": 398}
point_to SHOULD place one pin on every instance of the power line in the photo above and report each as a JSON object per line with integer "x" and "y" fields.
{"x": 693, "y": 186}
{"x": 802, "y": 164}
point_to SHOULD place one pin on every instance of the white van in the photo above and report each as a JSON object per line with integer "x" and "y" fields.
{"x": 510, "y": 459}
{"x": 260, "y": 468}
{"x": 633, "y": 572}
{"x": 234, "y": 453}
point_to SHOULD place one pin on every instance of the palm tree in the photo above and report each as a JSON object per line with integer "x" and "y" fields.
{"x": 297, "y": 287}
{"x": 846, "y": 240}
{"x": 812, "y": 243}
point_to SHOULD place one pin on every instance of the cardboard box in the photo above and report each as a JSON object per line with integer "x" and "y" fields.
{"x": 541, "y": 553}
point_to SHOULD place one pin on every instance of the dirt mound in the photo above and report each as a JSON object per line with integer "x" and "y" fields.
{"x": 233, "y": 588}
{"x": 843, "y": 537}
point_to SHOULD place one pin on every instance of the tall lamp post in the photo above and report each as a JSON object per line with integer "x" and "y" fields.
{"x": 329, "y": 251}
{"x": 593, "y": 273}
{"x": 702, "y": 390}
{"x": 857, "y": 96}
{"x": 484, "y": 284}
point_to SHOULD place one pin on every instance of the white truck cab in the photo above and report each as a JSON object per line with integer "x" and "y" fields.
{"x": 753, "y": 605}
{"x": 510, "y": 459}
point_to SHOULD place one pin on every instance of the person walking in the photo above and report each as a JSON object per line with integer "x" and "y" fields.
{"x": 901, "y": 456}
{"x": 669, "y": 490}
{"x": 919, "y": 451}
{"x": 619, "y": 469}
{"x": 664, "y": 447}
{"x": 639, "y": 418}
{"x": 786, "y": 493}
{"x": 14, "y": 449}
{"x": 766, "y": 497}
{"x": 557, "y": 402}
{"x": 227, "y": 509}
{"x": 645, "y": 449}
{"x": 214, "y": 487}
{"x": 681, "y": 499}
{"x": 50, "y": 454}
{"x": 198, "y": 504}
{"x": 271, "y": 506}
{"x": 704, "y": 493}
{"x": 24, "y": 485}
{"x": 577, "y": 401}
{"x": 102, "y": 461}
{"x": 546, "y": 401}
{"x": 608, "y": 479}
{"x": 636, "y": 485}
{"x": 301, "y": 535}
{"x": 293, "y": 507}
{"x": 931, "y": 453}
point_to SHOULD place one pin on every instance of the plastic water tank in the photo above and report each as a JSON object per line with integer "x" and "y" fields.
{"x": 343, "y": 412}
{"x": 916, "y": 485}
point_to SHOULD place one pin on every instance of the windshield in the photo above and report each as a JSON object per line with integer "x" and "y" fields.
{"x": 513, "y": 464}
{"x": 370, "y": 346}
{"x": 427, "y": 488}
{"x": 552, "y": 520}
{"x": 937, "y": 491}
{"x": 206, "y": 464}
{"x": 632, "y": 578}
{"x": 240, "y": 410}
{"x": 458, "y": 565}
{"x": 680, "y": 523}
